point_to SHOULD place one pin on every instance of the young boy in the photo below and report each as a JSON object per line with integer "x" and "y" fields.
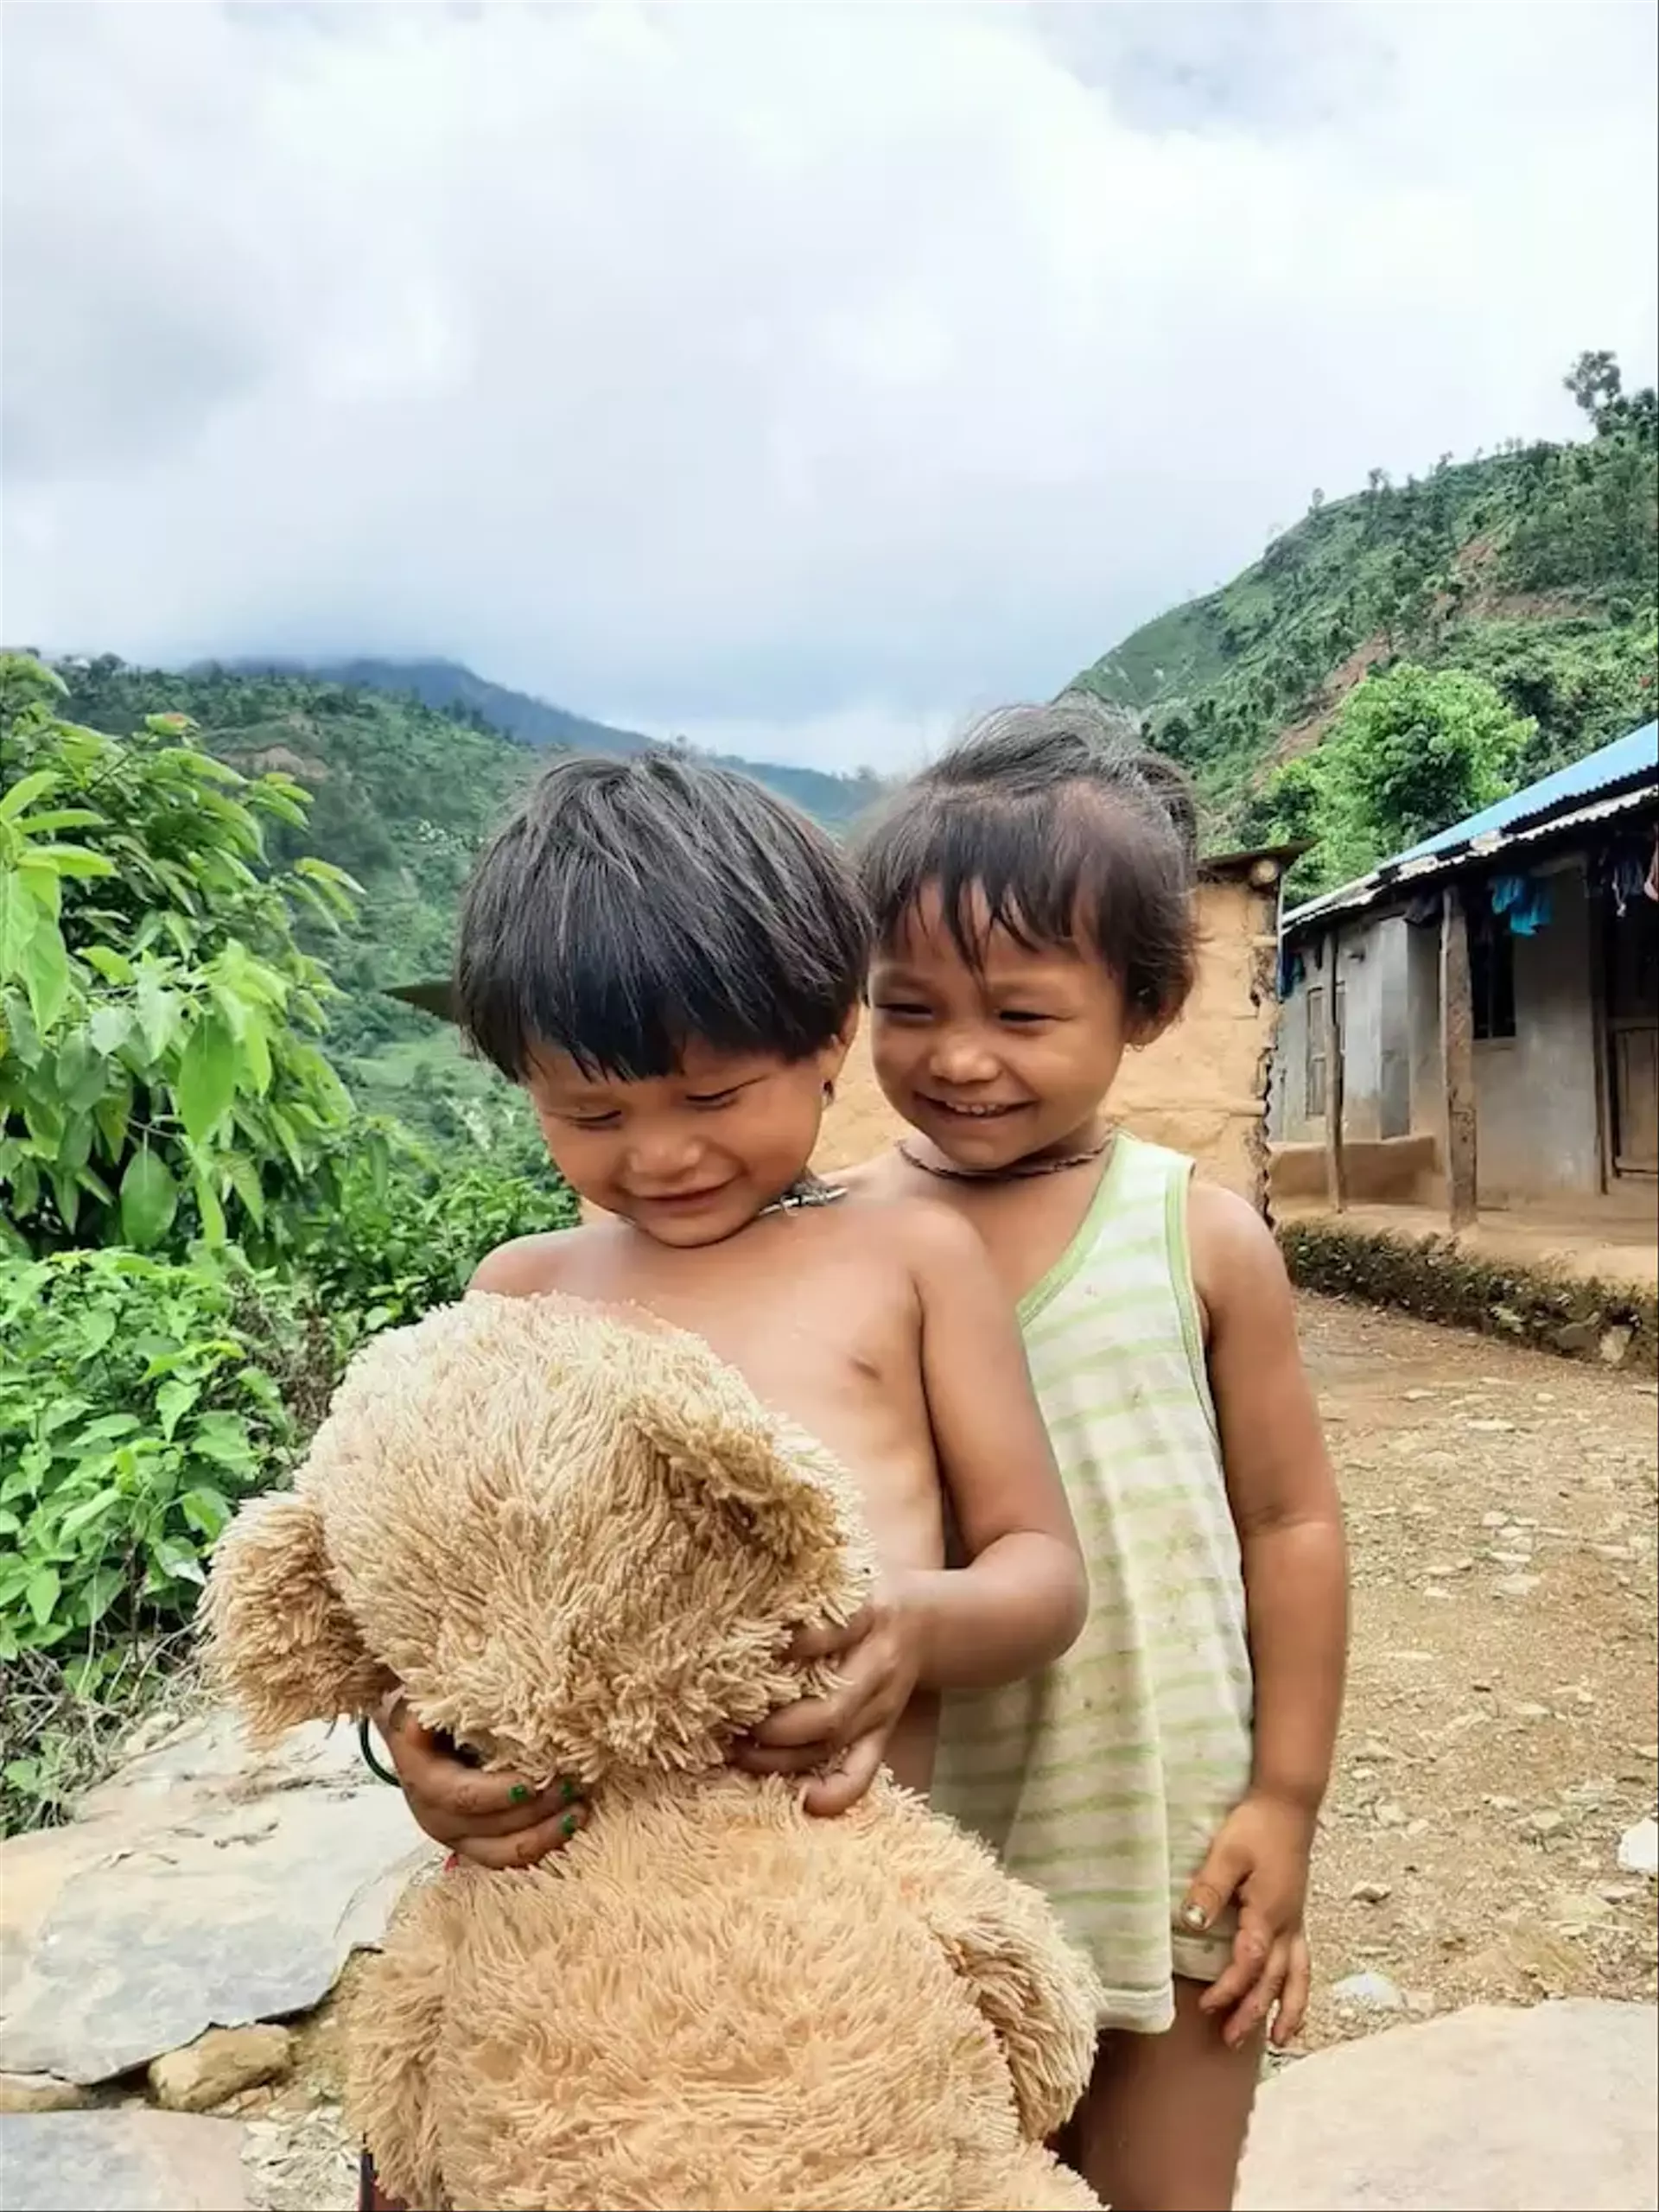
{"x": 671, "y": 961}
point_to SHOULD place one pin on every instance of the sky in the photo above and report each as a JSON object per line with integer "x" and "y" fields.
{"x": 798, "y": 379}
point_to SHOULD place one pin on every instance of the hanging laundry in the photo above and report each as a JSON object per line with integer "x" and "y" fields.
{"x": 1651, "y": 888}
{"x": 1628, "y": 872}
{"x": 1524, "y": 900}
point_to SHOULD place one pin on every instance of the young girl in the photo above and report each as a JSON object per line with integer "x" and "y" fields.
{"x": 1032, "y": 894}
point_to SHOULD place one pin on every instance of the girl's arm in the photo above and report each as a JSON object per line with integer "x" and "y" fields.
{"x": 1022, "y": 1597}
{"x": 1289, "y": 1522}
{"x": 1283, "y": 1496}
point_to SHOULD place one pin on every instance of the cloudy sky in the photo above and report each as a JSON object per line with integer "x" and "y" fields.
{"x": 798, "y": 378}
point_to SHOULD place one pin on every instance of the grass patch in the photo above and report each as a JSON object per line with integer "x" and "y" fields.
{"x": 1435, "y": 1280}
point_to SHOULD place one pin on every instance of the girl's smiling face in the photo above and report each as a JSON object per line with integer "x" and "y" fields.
{"x": 1001, "y": 1059}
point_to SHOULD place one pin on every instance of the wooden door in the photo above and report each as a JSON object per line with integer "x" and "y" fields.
{"x": 1633, "y": 1037}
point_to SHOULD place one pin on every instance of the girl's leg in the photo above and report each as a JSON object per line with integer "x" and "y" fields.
{"x": 1161, "y": 2126}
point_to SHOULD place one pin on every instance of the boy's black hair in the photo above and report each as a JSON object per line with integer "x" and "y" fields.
{"x": 1063, "y": 831}
{"x": 631, "y": 905}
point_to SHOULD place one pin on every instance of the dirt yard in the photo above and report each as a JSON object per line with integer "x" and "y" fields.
{"x": 1501, "y": 1721}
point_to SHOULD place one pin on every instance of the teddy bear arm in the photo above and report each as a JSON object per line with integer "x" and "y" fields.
{"x": 395, "y": 2026}
{"x": 1035, "y": 1990}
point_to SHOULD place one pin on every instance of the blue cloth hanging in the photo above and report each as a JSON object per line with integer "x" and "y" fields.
{"x": 1524, "y": 900}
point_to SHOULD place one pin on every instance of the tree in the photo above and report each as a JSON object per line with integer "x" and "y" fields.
{"x": 159, "y": 1073}
{"x": 1409, "y": 752}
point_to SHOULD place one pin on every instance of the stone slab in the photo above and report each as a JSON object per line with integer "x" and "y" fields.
{"x": 1485, "y": 2110}
{"x": 126, "y": 2159}
{"x": 203, "y": 1886}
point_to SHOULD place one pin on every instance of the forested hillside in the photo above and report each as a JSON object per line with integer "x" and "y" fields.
{"x": 835, "y": 800}
{"x": 1531, "y": 568}
{"x": 401, "y": 797}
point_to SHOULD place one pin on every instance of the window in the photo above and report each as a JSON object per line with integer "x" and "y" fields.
{"x": 1492, "y": 977}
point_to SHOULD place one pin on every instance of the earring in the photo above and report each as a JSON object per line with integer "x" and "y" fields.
{"x": 828, "y": 1090}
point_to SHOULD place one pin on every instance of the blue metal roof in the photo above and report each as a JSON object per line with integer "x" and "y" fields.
{"x": 1626, "y": 757}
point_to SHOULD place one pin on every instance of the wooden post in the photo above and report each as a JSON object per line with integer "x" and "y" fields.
{"x": 1458, "y": 1058}
{"x": 1336, "y": 1175}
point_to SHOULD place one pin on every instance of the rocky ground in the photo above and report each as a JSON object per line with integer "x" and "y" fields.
{"x": 1489, "y": 1841}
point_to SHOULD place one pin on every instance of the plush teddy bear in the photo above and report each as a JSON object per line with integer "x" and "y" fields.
{"x": 581, "y": 1546}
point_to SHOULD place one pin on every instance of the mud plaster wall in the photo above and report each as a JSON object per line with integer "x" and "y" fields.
{"x": 1200, "y": 1089}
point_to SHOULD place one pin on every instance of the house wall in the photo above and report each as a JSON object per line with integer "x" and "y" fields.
{"x": 1538, "y": 1132}
{"x": 1535, "y": 1093}
{"x": 1201, "y": 1088}
{"x": 1373, "y": 965}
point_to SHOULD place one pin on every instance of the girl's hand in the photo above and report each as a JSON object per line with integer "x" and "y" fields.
{"x": 494, "y": 1820}
{"x": 1260, "y": 1857}
{"x": 878, "y": 1654}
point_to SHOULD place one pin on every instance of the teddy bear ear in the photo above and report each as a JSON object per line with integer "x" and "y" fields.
{"x": 790, "y": 1497}
{"x": 280, "y": 1643}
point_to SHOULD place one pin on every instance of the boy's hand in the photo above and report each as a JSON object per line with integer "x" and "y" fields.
{"x": 494, "y": 1820}
{"x": 879, "y": 1657}
{"x": 1260, "y": 1857}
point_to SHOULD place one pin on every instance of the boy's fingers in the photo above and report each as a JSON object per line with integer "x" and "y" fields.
{"x": 809, "y": 1720}
{"x": 527, "y": 1847}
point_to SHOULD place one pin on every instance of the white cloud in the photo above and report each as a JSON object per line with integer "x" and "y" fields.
{"x": 813, "y": 374}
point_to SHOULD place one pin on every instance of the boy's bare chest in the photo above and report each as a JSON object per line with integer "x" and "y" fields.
{"x": 820, "y": 1324}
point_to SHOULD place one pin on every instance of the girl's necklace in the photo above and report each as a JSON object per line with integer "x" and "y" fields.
{"x": 1018, "y": 1172}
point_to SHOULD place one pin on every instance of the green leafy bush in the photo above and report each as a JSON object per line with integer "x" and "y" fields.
{"x": 159, "y": 1075}
{"x": 139, "y": 1401}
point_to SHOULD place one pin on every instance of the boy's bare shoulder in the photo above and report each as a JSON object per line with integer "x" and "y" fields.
{"x": 530, "y": 1264}
{"x": 918, "y": 1228}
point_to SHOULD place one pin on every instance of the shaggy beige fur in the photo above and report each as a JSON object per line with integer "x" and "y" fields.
{"x": 581, "y": 1545}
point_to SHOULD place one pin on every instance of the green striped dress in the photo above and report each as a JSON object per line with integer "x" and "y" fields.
{"x": 1105, "y": 1780}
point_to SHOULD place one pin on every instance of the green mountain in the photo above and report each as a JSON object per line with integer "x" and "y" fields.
{"x": 836, "y": 801}
{"x": 1536, "y": 568}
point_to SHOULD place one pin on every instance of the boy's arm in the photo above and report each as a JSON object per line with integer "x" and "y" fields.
{"x": 1286, "y": 1508}
{"x": 1023, "y": 1596}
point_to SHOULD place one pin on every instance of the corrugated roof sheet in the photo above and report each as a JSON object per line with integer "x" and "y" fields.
{"x": 1612, "y": 764}
{"x": 1629, "y": 765}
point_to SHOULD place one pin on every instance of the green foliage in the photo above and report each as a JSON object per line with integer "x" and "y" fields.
{"x": 1536, "y": 568}
{"x": 1408, "y": 753}
{"x": 159, "y": 1069}
{"x": 139, "y": 1400}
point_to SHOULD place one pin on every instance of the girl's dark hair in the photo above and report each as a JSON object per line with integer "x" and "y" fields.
{"x": 1051, "y": 823}
{"x": 629, "y": 907}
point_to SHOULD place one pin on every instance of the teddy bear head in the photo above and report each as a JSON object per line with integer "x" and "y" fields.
{"x": 573, "y": 1536}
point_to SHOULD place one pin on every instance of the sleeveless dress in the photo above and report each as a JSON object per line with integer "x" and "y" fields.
{"x": 1103, "y": 1780}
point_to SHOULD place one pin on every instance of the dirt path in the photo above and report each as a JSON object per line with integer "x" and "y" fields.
{"x": 1500, "y": 1730}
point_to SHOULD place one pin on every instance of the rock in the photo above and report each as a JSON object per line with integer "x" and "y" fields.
{"x": 202, "y": 1887}
{"x": 1530, "y": 1712}
{"x": 1485, "y": 2110}
{"x": 1492, "y": 1427}
{"x": 1577, "y": 1338}
{"x": 125, "y": 2159}
{"x": 1370, "y": 1993}
{"x": 1574, "y": 1911}
{"x": 40, "y": 2092}
{"x": 1615, "y": 1342}
{"x": 1516, "y": 1586}
{"x": 204, "y": 2073}
{"x": 1391, "y": 1816}
{"x": 1371, "y": 1892}
{"x": 1547, "y": 1822}
{"x": 1639, "y": 1848}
